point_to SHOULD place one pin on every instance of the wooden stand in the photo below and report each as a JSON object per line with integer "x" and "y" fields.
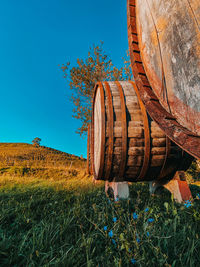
{"x": 177, "y": 186}
{"x": 120, "y": 190}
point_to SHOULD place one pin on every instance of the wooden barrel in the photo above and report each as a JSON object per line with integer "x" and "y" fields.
{"x": 89, "y": 151}
{"x": 164, "y": 42}
{"x": 127, "y": 144}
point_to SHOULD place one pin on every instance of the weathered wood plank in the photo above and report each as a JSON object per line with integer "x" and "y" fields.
{"x": 169, "y": 42}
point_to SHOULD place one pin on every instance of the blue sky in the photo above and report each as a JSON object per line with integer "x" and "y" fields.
{"x": 36, "y": 36}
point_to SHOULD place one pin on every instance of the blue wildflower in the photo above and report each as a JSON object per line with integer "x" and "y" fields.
{"x": 188, "y": 204}
{"x": 133, "y": 261}
{"x": 110, "y": 233}
{"x": 138, "y": 240}
{"x": 135, "y": 216}
{"x": 150, "y": 220}
{"x": 116, "y": 199}
{"x": 148, "y": 234}
{"x": 147, "y": 209}
{"x": 114, "y": 242}
{"x": 198, "y": 195}
{"x": 105, "y": 228}
{"x": 114, "y": 219}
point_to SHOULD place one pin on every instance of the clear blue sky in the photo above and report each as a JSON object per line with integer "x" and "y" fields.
{"x": 36, "y": 36}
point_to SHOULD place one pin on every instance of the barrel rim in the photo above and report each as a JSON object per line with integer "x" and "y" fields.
{"x": 103, "y": 134}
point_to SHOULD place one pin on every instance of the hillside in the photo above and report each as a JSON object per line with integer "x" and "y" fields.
{"x": 26, "y": 159}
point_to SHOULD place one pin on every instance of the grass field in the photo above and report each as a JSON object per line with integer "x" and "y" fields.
{"x": 55, "y": 220}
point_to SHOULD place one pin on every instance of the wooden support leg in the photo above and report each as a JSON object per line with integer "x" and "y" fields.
{"x": 120, "y": 189}
{"x": 153, "y": 186}
{"x": 177, "y": 186}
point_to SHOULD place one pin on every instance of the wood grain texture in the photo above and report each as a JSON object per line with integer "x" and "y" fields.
{"x": 135, "y": 149}
{"x": 169, "y": 43}
{"x": 171, "y": 125}
{"x": 98, "y": 131}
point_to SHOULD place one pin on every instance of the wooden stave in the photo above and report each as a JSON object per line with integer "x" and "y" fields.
{"x": 136, "y": 154}
{"x": 157, "y": 168}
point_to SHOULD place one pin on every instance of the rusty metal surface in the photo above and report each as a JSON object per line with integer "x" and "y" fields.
{"x": 124, "y": 133}
{"x": 187, "y": 140}
{"x": 110, "y": 121}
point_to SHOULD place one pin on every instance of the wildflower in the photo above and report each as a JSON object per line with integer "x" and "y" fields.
{"x": 147, "y": 209}
{"x": 135, "y": 216}
{"x": 114, "y": 219}
{"x": 198, "y": 195}
{"x": 133, "y": 261}
{"x": 148, "y": 234}
{"x": 138, "y": 240}
{"x": 105, "y": 228}
{"x": 150, "y": 220}
{"x": 110, "y": 233}
{"x": 114, "y": 242}
{"x": 116, "y": 199}
{"x": 188, "y": 204}
{"x": 109, "y": 202}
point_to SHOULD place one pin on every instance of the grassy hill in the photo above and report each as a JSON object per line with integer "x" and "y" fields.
{"x": 24, "y": 160}
{"x": 16, "y": 154}
{"x": 51, "y": 214}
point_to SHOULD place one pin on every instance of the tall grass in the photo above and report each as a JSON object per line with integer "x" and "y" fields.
{"x": 51, "y": 214}
{"x": 70, "y": 222}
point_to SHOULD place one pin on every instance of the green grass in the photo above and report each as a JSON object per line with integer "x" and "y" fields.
{"x": 28, "y": 156}
{"x": 60, "y": 222}
{"x": 51, "y": 214}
